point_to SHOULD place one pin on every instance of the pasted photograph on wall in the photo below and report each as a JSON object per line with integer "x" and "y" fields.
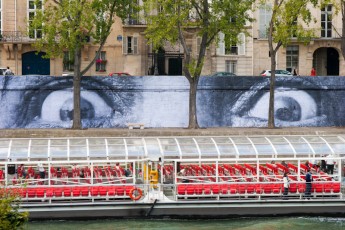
{"x": 110, "y": 102}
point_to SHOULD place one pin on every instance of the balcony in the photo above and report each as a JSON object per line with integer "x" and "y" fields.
{"x": 132, "y": 21}
{"x": 335, "y": 33}
{"x": 14, "y": 37}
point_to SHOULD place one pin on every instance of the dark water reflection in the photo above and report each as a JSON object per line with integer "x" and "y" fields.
{"x": 272, "y": 223}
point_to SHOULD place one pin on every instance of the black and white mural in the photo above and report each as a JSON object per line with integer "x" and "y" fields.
{"x": 162, "y": 101}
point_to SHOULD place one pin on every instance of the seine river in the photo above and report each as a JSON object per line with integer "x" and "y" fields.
{"x": 271, "y": 223}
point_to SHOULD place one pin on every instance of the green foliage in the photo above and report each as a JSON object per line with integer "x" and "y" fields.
{"x": 66, "y": 24}
{"x": 10, "y": 217}
{"x": 173, "y": 21}
{"x": 291, "y": 20}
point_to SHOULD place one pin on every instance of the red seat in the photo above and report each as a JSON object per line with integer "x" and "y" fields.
{"x": 40, "y": 192}
{"x": 267, "y": 188}
{"x": 327, "y": 188}
{"x": 128, "y": 188}
{"x": 190, "y": 189}
{"x": 207, "y": 189}
{"x": 276, "y": 188}
{"x": 103, "y": 191}
{"x": 31, "y": 193}
{"x": 49, "y": 192}
{"x": 84, "y": 191}
{"x": 242, "y": 188}
{"x": 198, "y": 189}
{"x": 94, "y": 191}
{"x": 111, "y": 191}
{"x": 336, "y": 187}
{"x": 233, "y": 188}
{"x": 250, "y": 188}
{"x": 318, "y": 188}
{"x": 23, "y": 192}
{"x": 181, "y": 189}
{"x": 224, "y": 189}
{"x": 58, "y": 192}
{"x": 301, "y": 187}
{"x": 293, "y": 188}
{"x": 76, "y": 192}
{"x": 258, "y": 189}
{"x": 66, "y": 192}
{"x": 120, "y": 191}
{"x": 215, "y": 188}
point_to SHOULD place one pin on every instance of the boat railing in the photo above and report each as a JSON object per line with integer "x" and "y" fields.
{"x": 180, "y": 192}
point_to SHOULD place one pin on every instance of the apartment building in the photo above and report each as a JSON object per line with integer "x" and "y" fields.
{"x": 127, "y": 49}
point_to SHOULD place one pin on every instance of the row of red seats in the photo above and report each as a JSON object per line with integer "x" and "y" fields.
{"x": 82, "y": 191}
{"x": 253, "y": 188}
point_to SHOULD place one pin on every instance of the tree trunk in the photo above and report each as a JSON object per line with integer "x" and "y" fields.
{"x": 271, "y": 123}
{"x": 193, "y": 121}
{"x": 343, "y": 29}
{"x": 272, "y": 53}
{"x": 76, "y": 90}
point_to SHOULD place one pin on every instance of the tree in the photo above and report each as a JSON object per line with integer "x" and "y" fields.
{"x": 67, "y": 25}
{"x": 342, "y": 6}
{"x": 174, "y": 21}
{"x": 10, "y": 217}
{"x": 287, "y": 23}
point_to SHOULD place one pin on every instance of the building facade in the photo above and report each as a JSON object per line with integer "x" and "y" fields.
{"x": 127, "y": 49}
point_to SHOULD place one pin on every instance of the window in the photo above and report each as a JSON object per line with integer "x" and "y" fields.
{"x": 68, "y": 61}
{"x": 231, "y": 66}
{"x": 130, "y": 45}
{"x": 133, "y": 16}
{"x": 33, "y": 7}
{"x": 265, "y": 14}
{"x": 228, "y": 47}
{"x": 292, "y": 53}
{"x": 326, "y": 21}
{"x": 101, "y": 62}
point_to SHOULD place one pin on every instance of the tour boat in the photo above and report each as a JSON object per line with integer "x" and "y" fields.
{"x": 183, "y": 176}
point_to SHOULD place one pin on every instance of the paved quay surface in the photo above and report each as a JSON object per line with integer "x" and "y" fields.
{"x": 155, "y": 132}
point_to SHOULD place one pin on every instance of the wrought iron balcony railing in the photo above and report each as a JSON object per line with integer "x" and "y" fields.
{"x": 15, "y": 36}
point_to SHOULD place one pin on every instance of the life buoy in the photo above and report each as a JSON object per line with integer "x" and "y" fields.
{"x": 138, "y": 193}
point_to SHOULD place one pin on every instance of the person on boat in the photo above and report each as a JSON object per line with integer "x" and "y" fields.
{"x": 308, "y": 181}
{"x": 286, "y": 185}
{"x": 330, "y": 164}
{"x": 42, "y": 172}
{"x": 323, "y": 164}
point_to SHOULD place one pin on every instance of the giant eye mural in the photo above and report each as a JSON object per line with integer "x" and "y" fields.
{"x": 106, "y": 102}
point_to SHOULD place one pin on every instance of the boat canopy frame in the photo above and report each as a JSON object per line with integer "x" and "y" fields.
{"x": 171, "y": 148}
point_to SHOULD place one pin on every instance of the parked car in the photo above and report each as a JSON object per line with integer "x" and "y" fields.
{"x": 222, "y": 74}
{"x": 120, "y": 74}
{"x": 279, "y": 73}
{"x": 67, "y": 74}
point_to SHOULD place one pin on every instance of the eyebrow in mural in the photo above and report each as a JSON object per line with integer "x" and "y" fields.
{"x": 47, "y": 102}
{"x": 298, "y": 102}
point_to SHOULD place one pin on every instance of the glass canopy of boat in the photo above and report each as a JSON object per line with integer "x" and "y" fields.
{"x": 225, "y": 147}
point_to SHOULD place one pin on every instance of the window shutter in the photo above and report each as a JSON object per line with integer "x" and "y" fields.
{"x": 221, "y": 44}
{"x": 135, "y": 45}
{"x": 242, "y": 44}
{"x": 124, "y": 45}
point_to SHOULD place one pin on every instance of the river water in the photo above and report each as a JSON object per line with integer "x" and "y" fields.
{"x": 267, "y": 223}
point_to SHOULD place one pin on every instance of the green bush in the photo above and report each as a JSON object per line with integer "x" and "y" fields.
{"x": 10, "y": 217}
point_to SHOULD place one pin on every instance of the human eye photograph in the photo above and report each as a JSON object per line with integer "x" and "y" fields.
{"x": 48, "y": 102}
{"x": 298, "y": 102}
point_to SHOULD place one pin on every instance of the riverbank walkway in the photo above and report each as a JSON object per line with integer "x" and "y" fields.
{"x": 157, "y": 132}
